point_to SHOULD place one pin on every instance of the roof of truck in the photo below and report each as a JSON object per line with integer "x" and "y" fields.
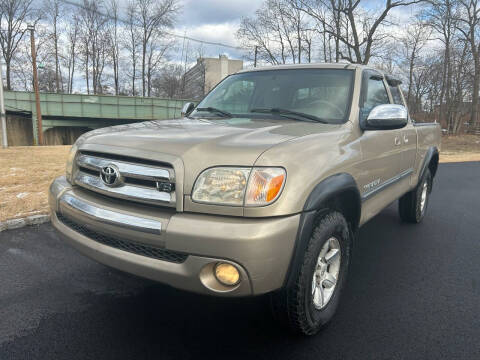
{"x": 321, "y": 66}
{"x": 309, "y": 66}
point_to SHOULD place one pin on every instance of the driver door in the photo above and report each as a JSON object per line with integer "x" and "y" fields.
{"x": 381, "y": 150}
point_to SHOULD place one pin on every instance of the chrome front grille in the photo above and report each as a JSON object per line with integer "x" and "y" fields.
{"x": 136, "y": 180}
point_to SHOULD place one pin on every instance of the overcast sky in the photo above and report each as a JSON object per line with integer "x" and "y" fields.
{"x": 211, "y": 20}
{"x": 216, "y": 21}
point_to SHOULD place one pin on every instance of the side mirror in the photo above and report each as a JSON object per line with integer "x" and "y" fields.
{"x": 386, "y": 117}
{"x": 187, "y": 108}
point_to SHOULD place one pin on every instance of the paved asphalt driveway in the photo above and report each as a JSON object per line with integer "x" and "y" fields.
{"x": 413, "y": 293}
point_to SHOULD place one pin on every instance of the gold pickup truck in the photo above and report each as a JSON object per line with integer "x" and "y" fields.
{"x": 260, "y": 188}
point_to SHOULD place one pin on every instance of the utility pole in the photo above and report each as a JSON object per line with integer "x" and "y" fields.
{"x": 2, "y": 111}
{"x": 255, "y": 61}
{"x": 35, "y": 84}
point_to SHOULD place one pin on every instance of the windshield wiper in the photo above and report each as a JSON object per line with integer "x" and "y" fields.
{"x": 215, "y": 110}
{"x": 286, "y": 112}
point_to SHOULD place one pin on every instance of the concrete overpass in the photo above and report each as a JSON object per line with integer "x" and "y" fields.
{"x": 83, "y": 112}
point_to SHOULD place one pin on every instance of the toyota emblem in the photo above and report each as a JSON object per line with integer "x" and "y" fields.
{"x": 110, "y": 175}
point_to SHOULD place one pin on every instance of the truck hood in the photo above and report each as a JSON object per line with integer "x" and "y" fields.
{"x": 237, "y": 141}
{"x": 193, "y": 145}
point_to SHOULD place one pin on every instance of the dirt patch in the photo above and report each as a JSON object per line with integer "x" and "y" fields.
{"x": 460, "y": 148}
{"x": 26, "y": 175}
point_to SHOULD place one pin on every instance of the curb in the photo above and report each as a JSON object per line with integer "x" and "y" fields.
{"x": 19, "y": 223}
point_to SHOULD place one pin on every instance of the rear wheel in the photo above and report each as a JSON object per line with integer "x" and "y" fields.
{"x": 312, "y": 300}
{"x": 413, "y": 205}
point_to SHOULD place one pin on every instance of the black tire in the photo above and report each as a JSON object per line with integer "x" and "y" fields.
{"x": 410, "y": 205}
{"x": 293, "y": 306}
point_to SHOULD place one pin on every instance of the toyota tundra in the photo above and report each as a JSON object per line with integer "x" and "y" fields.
{"x": 259, "y": 188}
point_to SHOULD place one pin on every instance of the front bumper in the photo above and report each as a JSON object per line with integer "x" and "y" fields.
{"x": 179, "y": 249}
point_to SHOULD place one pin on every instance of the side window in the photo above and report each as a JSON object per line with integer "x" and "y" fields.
{"x": 376, "y": 94}
{"x": 396, "y": 95}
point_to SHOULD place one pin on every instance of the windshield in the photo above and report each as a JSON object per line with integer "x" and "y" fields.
{"x": 321, "y": 93}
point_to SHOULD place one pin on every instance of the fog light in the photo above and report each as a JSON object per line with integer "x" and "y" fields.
{"x": 227, "y": 274}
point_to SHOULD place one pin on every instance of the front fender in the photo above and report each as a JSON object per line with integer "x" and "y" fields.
{"x": 317, "y": 204}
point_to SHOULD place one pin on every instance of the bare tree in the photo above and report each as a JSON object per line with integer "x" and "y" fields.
{"x": 169, "y": 82}
{"x": 53, "y": 13}
{"x": 457, "y": 110}
{"x": 415, "y": 38}
{"x": 440, "y": 15}
{"x": 276, "y": 30}
{"x": 47, "y": 79}
{"x": 153, "y": 16}
{"x": 155, "y": 57}
{"x": 21, "y": 68}
{"x": 14, "y": 14}
{"x": 468, "y": 24}
{"x": 94, "y": 41}
{"x": 361, "y": 30}
{"x": 291, "y": 19}
{"x": 72, "y": 50}
{"x": 114, "y": 52}
{"x": 257, "y": 32}
{"x": 131, "y": 43}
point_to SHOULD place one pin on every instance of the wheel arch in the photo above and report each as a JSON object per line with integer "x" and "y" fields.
{"x": 431, "y": 162}
{"x": 338, "y": 192}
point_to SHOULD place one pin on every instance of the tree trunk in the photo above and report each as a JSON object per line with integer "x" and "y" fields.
{"x": 448, "y": 99}
{"x": 476, "y": 86}
{"x": 8, "y": 70}
{"x": 73, "y": 72}
{"x": 324, "y": 44}
{"x": 144, "y": 54}
{"x": 441, "y": 108}
{"x": 299, "y": 43}
{"x": 55, "y": 40}
{"x": 115, "y": 69}
{"x": 134, "y": 75}
{"x": 86, "y": 73}
{"x": 410, "y": 75}
{"x": 337, "y": 38}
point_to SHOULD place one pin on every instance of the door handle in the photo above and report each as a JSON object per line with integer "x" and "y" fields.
{"x": 405, "y": 138}
{"x": 397, "y": 141}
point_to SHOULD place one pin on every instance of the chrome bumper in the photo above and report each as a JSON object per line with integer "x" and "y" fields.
{"x": 260, "y": 248}
{"x": 111, "y": 217}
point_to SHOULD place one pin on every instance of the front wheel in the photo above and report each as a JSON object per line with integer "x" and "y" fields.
{"x": 413, "y": 205}
{"x": 312, "y": 300}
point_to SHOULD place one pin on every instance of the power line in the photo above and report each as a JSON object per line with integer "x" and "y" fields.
{"x": 184, "y": 37}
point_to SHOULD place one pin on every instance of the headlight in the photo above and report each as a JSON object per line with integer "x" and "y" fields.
{"x": 221, "y": 185}
{"x": 239, "y": 186}
{"x": 70, "y": 162}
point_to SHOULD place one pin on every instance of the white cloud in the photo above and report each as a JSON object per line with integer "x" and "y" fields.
{"x": 216, "y": 11}
{"x": 224, "y": 33}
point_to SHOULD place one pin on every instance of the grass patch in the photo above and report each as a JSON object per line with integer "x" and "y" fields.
{"x": 460, "y": 148}
{"x": 27, "y": 172}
